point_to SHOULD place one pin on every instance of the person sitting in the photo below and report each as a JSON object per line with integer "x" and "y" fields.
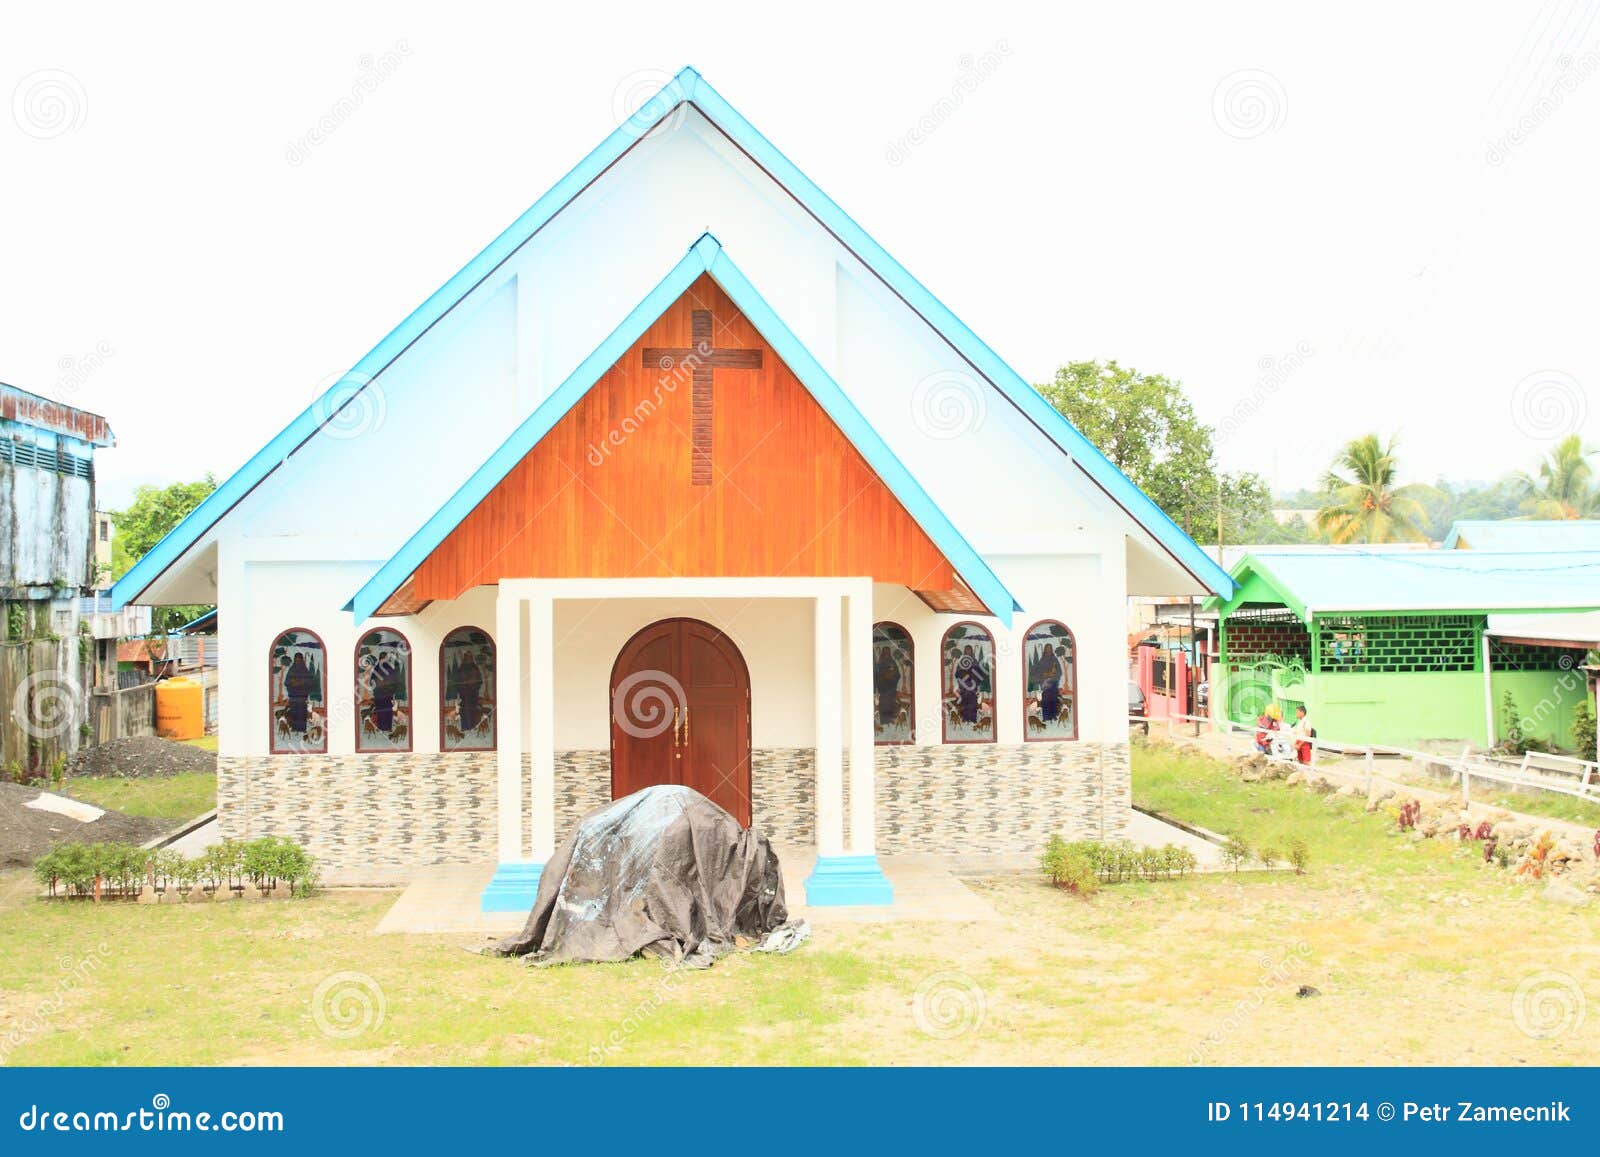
{"x": 1303, "y": 733}
{"x": 1265, "y": 725}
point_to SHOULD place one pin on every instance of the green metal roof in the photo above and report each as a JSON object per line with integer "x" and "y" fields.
{"x": 1410, "y": 582}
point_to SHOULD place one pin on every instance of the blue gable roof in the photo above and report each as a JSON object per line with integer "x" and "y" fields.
{"x": 705, "y": 256}
{"x": 686, "y": 86}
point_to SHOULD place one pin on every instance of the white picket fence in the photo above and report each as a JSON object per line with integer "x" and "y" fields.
{"x": 1538, "y": 771}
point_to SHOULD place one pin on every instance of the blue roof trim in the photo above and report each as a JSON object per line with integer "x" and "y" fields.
{"x": 689, "y": 86}
{"x": 983, "y": 359}
{"x": 199, "y": 520}
{"x": 705, "y": 256}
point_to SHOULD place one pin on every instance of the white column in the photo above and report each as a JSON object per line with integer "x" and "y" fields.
{"x": 509, "y": 643}
{"x": 858, "y": 663}
{"x": 541, "y": 692}
{"x": 829, "y": 708}
{"x": 1488, "y": 694}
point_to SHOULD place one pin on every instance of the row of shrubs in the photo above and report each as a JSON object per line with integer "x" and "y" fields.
{"x": 123, "y": 871}
{"x": 1083, "y": 865}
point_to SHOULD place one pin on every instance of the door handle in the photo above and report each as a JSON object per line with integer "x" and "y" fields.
{"x": 676, "y": 724}
{"x": 686, "y": 726}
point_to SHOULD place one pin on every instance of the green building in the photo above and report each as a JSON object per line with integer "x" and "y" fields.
{"x": 1407, "y": 647}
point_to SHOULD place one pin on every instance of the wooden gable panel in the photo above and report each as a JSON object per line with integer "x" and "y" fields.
{"x": 609, "y": 492}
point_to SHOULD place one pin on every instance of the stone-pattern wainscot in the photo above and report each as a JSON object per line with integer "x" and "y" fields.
{"x": 360, "y": 812}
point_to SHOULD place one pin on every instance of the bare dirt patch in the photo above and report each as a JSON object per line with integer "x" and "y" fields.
{"x": 28, "y": 833}
{"x": 141, "y": 757}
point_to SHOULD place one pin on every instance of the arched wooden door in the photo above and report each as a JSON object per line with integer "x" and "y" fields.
{"x": 680, "y": 713}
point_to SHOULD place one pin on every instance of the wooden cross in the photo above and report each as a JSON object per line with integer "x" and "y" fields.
{"x": 701, "y": 359}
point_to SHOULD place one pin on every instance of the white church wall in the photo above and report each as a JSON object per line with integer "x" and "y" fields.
{"x": 773, "y": 635}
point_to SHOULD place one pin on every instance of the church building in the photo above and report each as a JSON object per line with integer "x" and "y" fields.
{"x": 683, "y": 479}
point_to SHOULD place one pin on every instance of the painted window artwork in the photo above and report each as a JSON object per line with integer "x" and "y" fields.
{"x": 1050, "y": 682}
{"x": 466, "y": 690}
{"x": 298, "y": 685}
{"x": 893, "y": 702}
{"x": 967, "y": 666}
{"x": 383, "y": 692}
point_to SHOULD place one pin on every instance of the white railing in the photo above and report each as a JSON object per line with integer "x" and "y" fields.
{"x": 1464, "y": 768}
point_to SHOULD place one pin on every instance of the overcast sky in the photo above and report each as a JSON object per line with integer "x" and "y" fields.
{"x": 1379, "y": 217}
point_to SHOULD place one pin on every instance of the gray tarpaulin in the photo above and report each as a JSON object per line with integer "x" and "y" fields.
{"x": 664, "y": 871}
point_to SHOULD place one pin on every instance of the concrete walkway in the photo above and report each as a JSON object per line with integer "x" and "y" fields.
{"x": 444, "y": 898}
{"x": 928, "y": 888}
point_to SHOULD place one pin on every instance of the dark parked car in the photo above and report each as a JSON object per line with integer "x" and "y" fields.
{"x": 1136, "y": 706}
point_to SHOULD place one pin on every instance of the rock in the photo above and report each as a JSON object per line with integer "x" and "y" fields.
{"x": 1295, "y": 777}
{"x": 1306, "y": 990}
{"x": 1347, "y": 790}
{"x": 1319, "y": 785}
{"x": 1561, "y": 892}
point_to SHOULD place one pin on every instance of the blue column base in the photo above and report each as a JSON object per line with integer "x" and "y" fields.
{"x": 852, "y": 880}
{"x": 513, "y": 888}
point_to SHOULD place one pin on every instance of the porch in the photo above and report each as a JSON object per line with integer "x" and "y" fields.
{"x": 549, "y": 655}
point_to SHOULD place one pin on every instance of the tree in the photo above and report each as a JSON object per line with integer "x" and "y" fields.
{"x": 1364, "y": 504}
{"x": 155, "y": 510}
{"x": 1564, "y": 486}
{"x": 1147, "y": 427}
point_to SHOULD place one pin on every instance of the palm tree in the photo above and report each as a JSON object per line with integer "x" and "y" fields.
{"x": 1364, "y": 504}
{"x": 1564, "y": 487}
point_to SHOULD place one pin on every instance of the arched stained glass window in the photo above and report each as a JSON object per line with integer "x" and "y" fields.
{"x": 894, "y": 701}
{"x": 467, "y": 714}
{"x": 966, "y": 662}
{"x": 1049, "y": 682}
{"x": 297, "y": 688}
{"x": 383, "y": 692}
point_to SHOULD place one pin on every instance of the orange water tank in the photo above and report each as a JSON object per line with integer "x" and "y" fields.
{"x": 180, "y": 709}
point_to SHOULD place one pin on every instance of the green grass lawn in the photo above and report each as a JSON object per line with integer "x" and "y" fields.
{"x": 1416, "y": 949}
{"x": 172, "y": 797}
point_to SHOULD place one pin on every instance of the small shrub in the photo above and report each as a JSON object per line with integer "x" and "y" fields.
{"x": 1583, "y": 728}
{"x": 1410, "y": 813}
{"x": 1511, "y": 737}
{"x": 1236, "y": 853}
{"x": 271, "y": 860}
{"x": 1269, "y": 857}
{"x": 1180, "y": 861}
{"x": 1299, "y": 854}
{"x": 1068, "y": 866}
{"x": 117, "y": 869}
